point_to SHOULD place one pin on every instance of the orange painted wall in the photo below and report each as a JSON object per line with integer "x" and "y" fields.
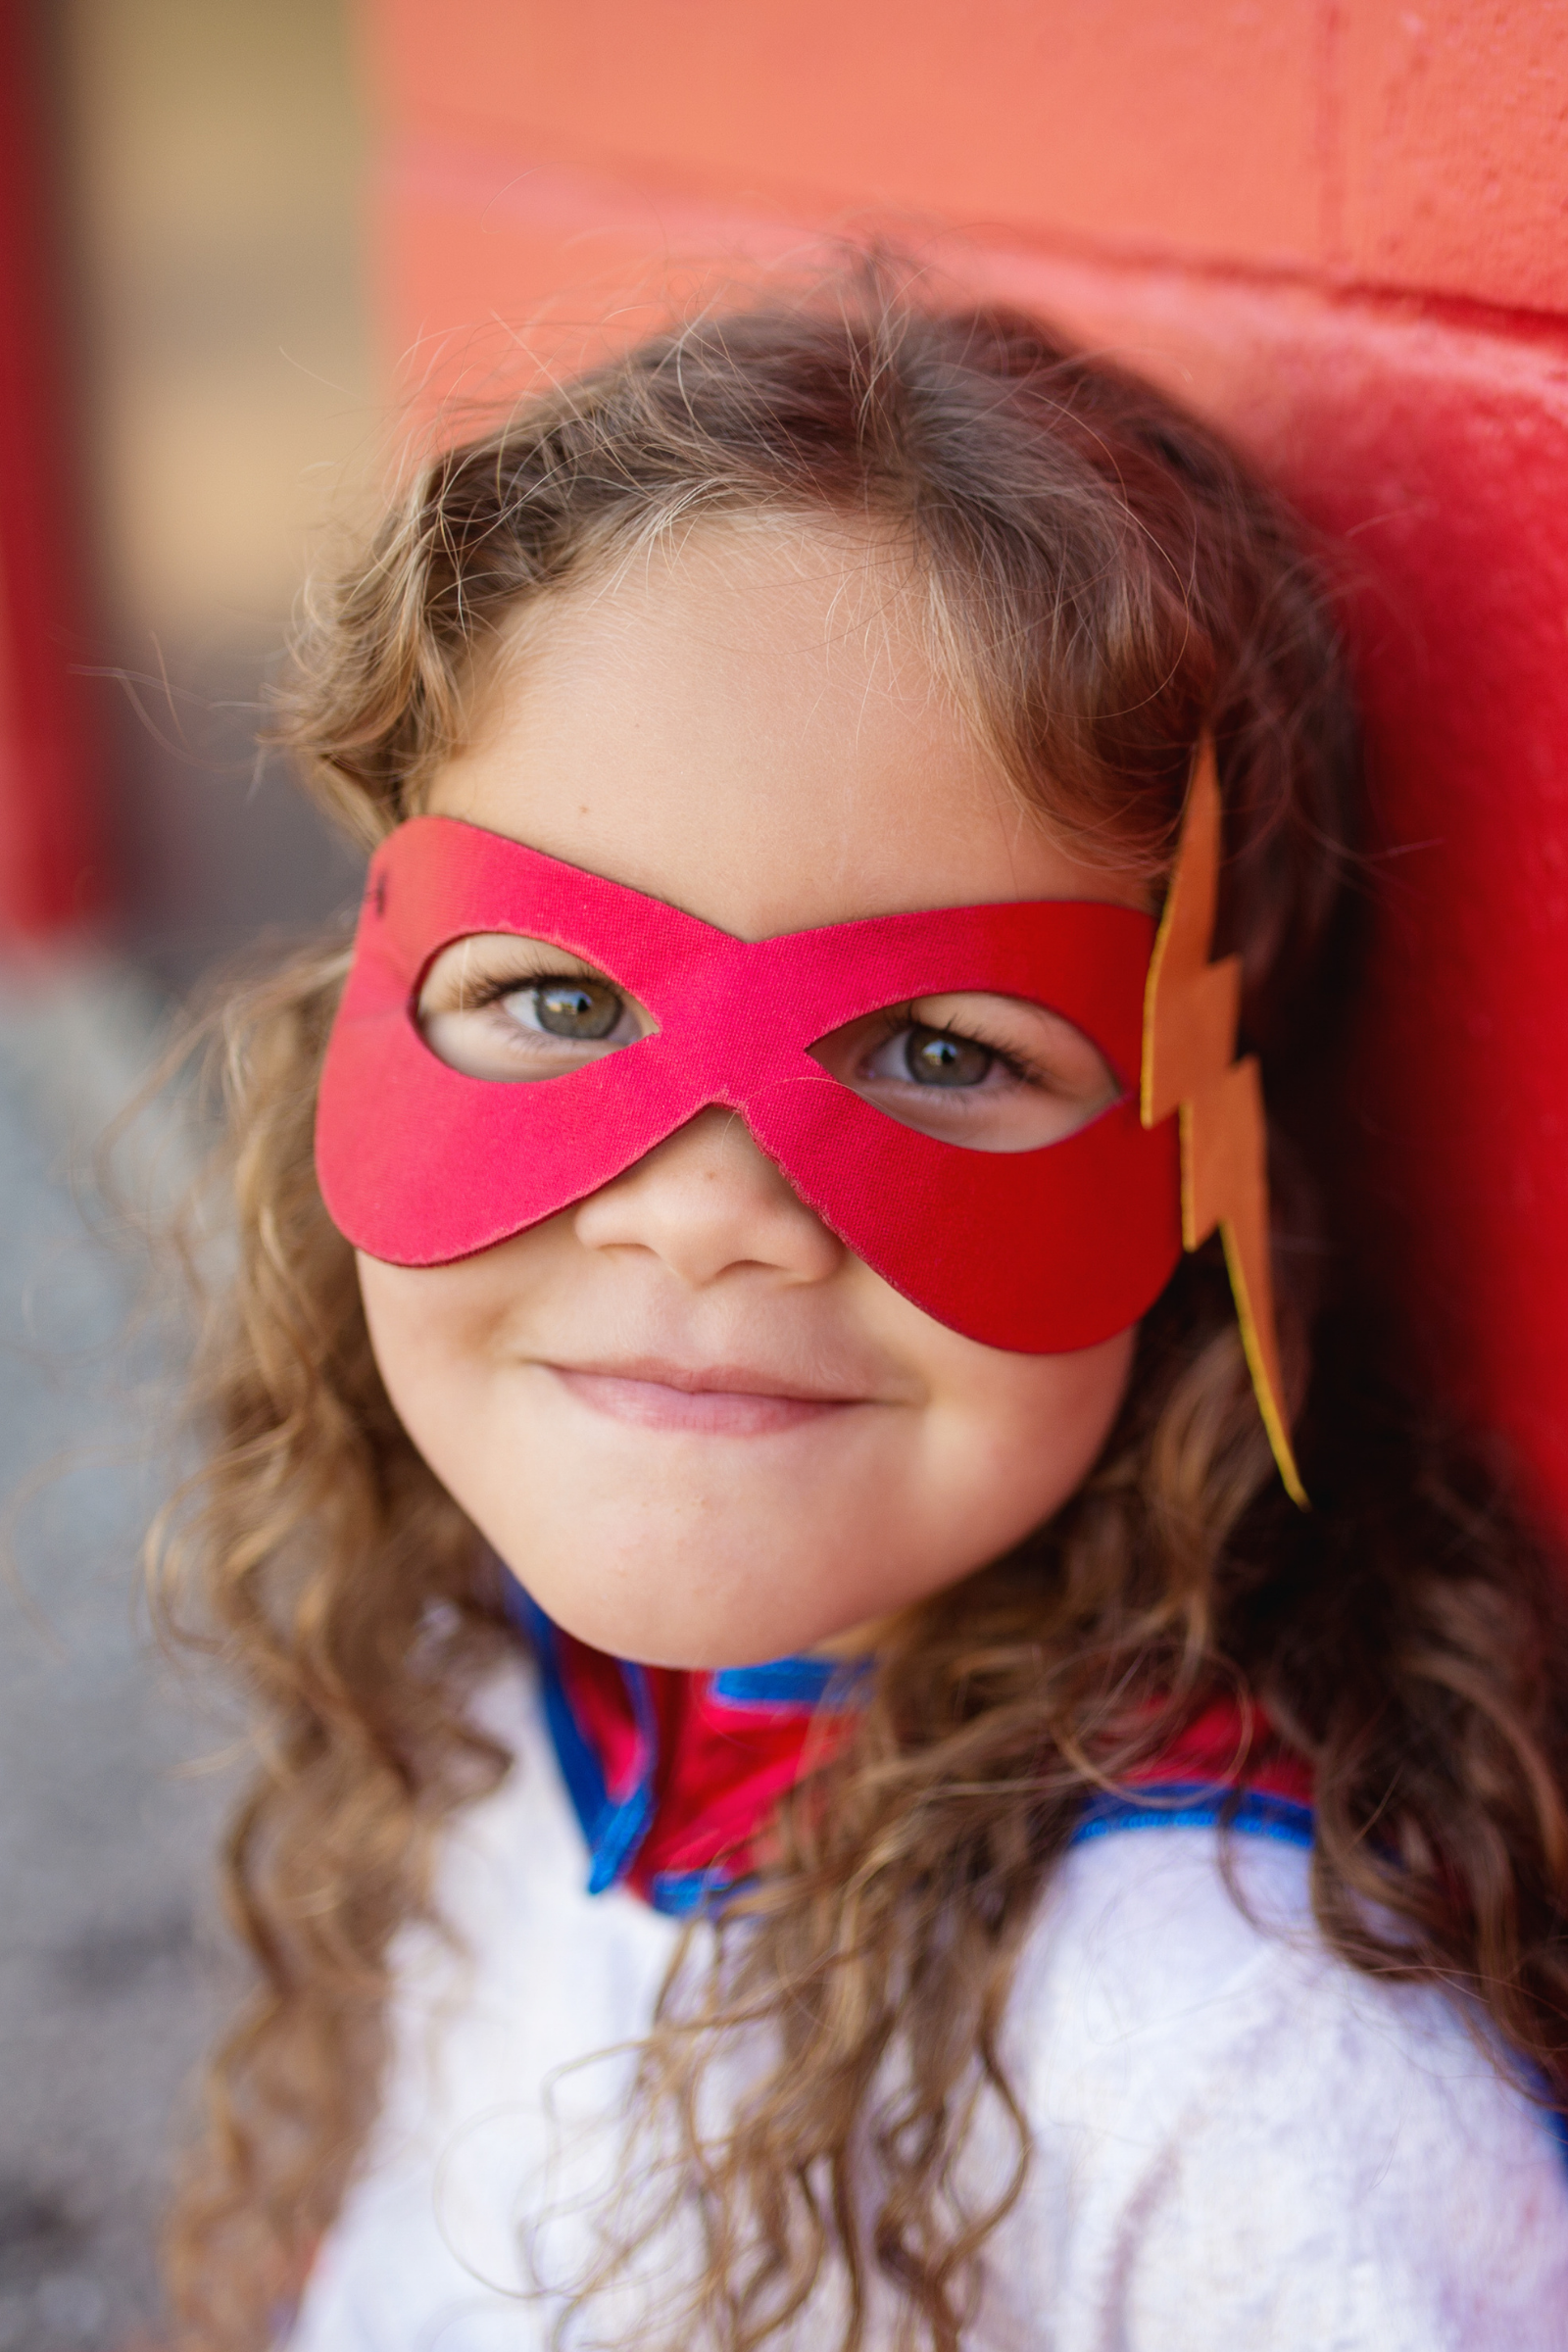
{"x": 1335, "y": 226}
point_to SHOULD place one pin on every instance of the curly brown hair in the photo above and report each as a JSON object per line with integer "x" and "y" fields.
{"x": 1103, "y": 580}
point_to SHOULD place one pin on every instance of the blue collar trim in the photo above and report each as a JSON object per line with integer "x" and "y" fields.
{"x": 788, "y": 1686}
{"x": 614, "y": 1830}
{"x": 1196, "y": 1806}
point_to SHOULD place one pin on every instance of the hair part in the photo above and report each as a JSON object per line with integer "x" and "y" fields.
{"x": 1102, "y": 581}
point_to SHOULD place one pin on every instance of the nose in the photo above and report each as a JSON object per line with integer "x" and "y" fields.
{"x": 708, "y": 1202}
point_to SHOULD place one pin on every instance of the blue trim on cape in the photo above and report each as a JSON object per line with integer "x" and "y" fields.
{"x": 786, "y": 1686}
{"x": 1196, "y": 1806}
{"x": 1167, "y": 1806}
{"x": 691, "y": 1893}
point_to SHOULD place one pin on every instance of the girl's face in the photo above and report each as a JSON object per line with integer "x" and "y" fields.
{"x": 696, "y": 1426}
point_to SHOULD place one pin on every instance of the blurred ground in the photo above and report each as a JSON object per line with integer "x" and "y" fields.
{"x": 109, "y": 1979}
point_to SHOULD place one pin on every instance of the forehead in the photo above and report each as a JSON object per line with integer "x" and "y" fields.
{"x": 749, "y": 727}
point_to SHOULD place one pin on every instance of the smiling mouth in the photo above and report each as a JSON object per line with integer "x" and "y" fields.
{"x": 725, "y": 1400}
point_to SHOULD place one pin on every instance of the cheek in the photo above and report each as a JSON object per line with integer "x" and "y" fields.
{"x": 1012, "y": 1437}
{"x": 436, "y": 1333}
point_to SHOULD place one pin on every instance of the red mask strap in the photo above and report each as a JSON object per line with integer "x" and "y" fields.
{"x": 1191, "y": 1008}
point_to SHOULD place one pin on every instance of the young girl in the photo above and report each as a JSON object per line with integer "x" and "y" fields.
{"x": 758, "y": 1445}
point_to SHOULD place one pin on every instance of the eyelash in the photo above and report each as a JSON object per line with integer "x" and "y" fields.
{"x": 512, "y": 984}
{"x": 896, "y": 1018}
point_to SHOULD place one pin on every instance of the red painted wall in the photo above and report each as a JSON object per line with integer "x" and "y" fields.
{"x": 1336, "y": 228}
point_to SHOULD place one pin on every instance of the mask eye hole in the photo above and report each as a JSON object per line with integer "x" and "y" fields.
{"x": 989, "y": 1072}
{"x": 496, "y": 1005}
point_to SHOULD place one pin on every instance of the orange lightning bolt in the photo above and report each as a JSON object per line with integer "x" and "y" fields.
{"x": 1190, "y": 1016}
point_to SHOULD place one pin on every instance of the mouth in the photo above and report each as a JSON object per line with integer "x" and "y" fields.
{"x": 738, "y": 1401}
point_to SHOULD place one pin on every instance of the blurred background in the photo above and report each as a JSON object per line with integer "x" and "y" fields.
{"x": 189, "y": 402}
{"x": 245, "y": 247}
{"x": 200, "y": 172}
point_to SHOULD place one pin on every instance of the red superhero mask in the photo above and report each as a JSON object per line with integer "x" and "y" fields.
{"x": 1042, "y": 1251}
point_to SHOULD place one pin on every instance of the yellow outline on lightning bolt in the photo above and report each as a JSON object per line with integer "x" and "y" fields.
{"x": 1190, "y": 1007}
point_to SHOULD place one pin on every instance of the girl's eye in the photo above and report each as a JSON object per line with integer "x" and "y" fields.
{"x": 572, "y": 1007}
{"x": 499, "y": 1006}
{"x": 994, "y": 1073}
{"x": 934, "y": 1057}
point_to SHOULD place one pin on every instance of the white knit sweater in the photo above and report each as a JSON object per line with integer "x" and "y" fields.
{"x": 1240, "y": 2145}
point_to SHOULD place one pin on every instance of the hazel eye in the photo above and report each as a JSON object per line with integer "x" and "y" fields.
{"x": 989, "y": 1072}
{"x": 936, "y": 1058}
{"x": 569, "y": 1007}
{"x": 498, "y": 1005}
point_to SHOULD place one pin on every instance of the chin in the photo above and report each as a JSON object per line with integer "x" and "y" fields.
{"x": 681, "y": 1581}
{"x": 655, "y": 1622}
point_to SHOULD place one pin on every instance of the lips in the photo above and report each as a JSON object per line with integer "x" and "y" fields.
{"x": 722, "y": 1399}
